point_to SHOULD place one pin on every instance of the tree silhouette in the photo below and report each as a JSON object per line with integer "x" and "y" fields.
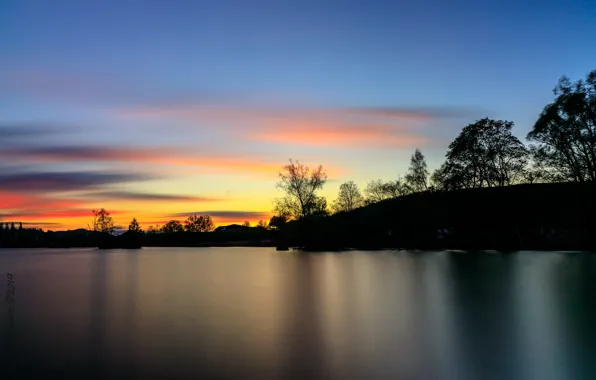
{"x": 246, "y": 224}
{"x": 102, "y": 221}
{"x": 200, "y": 223}
{"x": 134, "y": 226}
{"x": 278, "y": 221}
{"x": 262, "y": 224}
{"x": 565, "y": 132}
{"x": 485, "y": 154}
{"x": 417, "y": 176}
{"x": 192, "y": 224}
{"x": 379, "y": 190}
{"x": 172, "y": 226}
{"x": 348, "y": 197}
{"x": 300, "y": 185}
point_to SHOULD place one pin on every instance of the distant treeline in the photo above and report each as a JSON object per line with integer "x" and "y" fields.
{"x": 81, "y": 238}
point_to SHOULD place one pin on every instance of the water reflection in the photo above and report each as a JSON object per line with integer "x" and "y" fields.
{"x": 237, "y": 313}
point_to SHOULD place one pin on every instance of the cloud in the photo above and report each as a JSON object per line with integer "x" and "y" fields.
{"x": 409, "y": 112}
{"x": 50, "y": 214}
{"x": 41, "y": 182}
{"x": 19, "y": 129}
{"x": 327, "y": 134}
{"x": 205, "y": 160}
{"x": 41, "y": 224}
{"x": 389, "y": 127}
{"x": 132, "y": 196}
{"x": 77, "y": 153}
{"x": 94, "y": 90}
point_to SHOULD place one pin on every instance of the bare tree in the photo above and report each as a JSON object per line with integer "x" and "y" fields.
{"x": 300, "y": 185}
{"x": 246, "y": 223}
{"x": 417, "y": 176}
{"x": 348, "y": 197}
{"x": 102, "y": 221}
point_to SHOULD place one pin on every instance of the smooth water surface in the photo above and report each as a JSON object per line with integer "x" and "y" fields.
{"x": 256, "y": 313}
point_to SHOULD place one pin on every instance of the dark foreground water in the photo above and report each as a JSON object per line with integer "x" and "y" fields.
{"x": 254, "y": 313}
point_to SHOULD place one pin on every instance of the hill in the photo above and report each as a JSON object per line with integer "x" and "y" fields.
{"x": 530, "y": 216}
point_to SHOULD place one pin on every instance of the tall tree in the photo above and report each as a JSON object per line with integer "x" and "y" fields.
{"x": 565, "y": 132}
{"x": 417, "y": 176}
{"x": 348, "y": 197}
{"x": 300, "y": 185}
{"x": 134, "y": 226}
{"x": 102, "y": 221}
{"x": 485, "y": 154}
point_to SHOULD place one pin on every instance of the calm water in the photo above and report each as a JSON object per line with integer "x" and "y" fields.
{"x": 257, "y": 313}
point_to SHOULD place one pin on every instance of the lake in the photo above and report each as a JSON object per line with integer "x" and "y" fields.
{"x": 256, "y": 313}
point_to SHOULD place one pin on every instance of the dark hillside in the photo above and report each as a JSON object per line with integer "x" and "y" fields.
{"x": 537, "y": 216}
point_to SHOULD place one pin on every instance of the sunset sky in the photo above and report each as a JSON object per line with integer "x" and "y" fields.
{"x": 160, "y": 109}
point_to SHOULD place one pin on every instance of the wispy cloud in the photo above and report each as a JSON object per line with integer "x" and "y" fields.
{"x": 132, "y": 196}
{"x": 349, "y": 126}
{"x": 203, "y": 160}
{"x": 42, "y": 182}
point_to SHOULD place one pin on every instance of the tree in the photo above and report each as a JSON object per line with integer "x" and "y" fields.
{"x": 262, "y": 224}
{"x": 300, "y": 185}
{"x": 278, "y": 221}
{"x": 102, "y": 221}
{"x": 201, "y": 223}
{"x": 417, "y": 176}
{"x": 134, "y": 226}
{"x": 20, "y": 226}
{"x": 173, "y": 226}
{"x": 246, "y": 224}
{"x": 565, "y": 131}
{"x": 379, "y": 190}
{"x": 192, "y": 223}
{"x": 348, "y": 197}
{"x": 485, "y": 154}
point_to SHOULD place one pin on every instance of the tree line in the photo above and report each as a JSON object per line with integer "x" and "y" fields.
{"x": 103, "y": 222}
{"x": 485, "y": 154}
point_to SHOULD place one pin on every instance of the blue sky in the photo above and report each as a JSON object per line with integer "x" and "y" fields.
{"x": 230, "y": 85}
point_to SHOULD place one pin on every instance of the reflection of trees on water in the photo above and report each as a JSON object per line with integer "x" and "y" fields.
{"x": 97, "y": 311}
{"x": 574, "y": 292}
{"x": 484, "y": 314}
{"x": 118, "y": 355}
{"x": 302, "y": 341}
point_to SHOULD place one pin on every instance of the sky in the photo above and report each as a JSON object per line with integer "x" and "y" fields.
{"x": 162, "y": 109}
